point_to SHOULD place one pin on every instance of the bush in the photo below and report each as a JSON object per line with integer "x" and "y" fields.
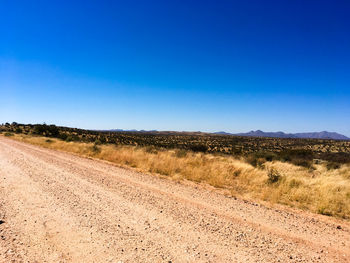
{"x": 69, "y": 138}
{"x": 289, "y": 155}
{"x": 102, "y": 139}
{"x": 53, "y": 131}
{"x": 180, "y": 153}
{"x": 39, "y": 129}
{"x": 98, "y": 142}
{"x": 340, "y": 157}
{"x": 294, "y": 183}
{"x": 273, "y": 176}
{"x": 151, "y": 149}
{"x": 324, "y": 210}
{"x": 46, "y": 130}
{"x": 303, "y": 163}
{"x": 259, "y": 158}
{"x": 255, "y": 161}
{"x": 299, "y": 157}
{"x": 63, "y": 136}
{"x": 72, "y": 138}
{"x": 95, "y": 149}
{"x": 8, "y": 134}
{"x": 332, "y": 166}
{"x": 236, "y": 151}
{"x": 198, "y": 148}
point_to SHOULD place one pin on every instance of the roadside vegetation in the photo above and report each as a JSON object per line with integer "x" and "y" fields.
{"x": 297, "y": 177}
{"x": 289, "y": 150}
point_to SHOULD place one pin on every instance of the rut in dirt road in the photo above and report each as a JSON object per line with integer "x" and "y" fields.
{"x": 58, "y": 207}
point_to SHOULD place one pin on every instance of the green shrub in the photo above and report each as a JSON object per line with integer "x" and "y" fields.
{"x": 8, "y": 134}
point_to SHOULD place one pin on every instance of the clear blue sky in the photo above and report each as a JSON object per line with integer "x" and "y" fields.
{"x": 177, "y": 65}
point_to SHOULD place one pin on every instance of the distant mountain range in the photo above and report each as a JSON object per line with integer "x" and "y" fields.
{"x": 306, "y": 135}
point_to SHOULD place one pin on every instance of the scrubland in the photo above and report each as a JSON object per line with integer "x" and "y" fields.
{"x": 319, "y": 187}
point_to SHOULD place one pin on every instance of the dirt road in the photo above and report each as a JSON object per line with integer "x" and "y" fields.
{"x": 57, "y": 207}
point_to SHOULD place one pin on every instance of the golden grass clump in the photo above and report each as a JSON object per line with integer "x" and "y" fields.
{"x": 319, "y": 190}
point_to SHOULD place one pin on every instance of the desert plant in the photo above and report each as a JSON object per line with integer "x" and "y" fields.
{"x": 302, "y": 162}
{"x": 98, "y": 142}
{"x": 95, "y": 149}
{"x": 273, "y": 176}
{"x": 151, "y": 149}
{"x": 72, "y": 138}
{"x": 198, "y": 148}
{"x": 256, "y": 159}
{"x": 332, "y": 165}
{"x": 181, "y": 153}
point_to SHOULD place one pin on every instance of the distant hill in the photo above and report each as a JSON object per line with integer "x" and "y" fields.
{"x": 306, "y": 135}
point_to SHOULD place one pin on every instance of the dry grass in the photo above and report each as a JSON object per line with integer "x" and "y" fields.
{"x": 320, "y": 190}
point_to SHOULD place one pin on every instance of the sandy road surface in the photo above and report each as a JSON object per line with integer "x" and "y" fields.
{"x": 57, "y": 207}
